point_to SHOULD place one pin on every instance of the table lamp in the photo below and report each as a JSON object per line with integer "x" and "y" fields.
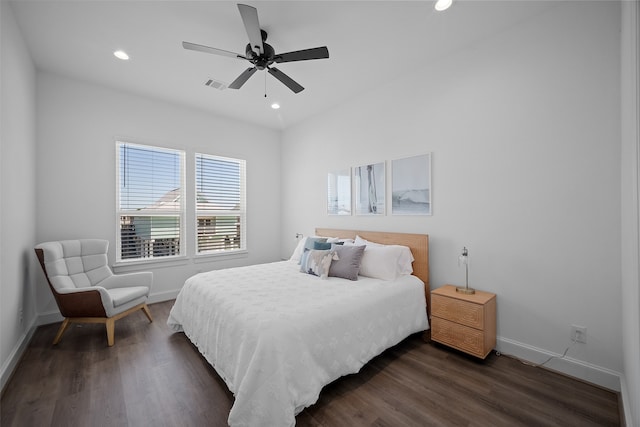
{"x": 463, "y": 259}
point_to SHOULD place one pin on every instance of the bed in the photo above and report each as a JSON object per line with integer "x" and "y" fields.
{"x": 277, "y": 336}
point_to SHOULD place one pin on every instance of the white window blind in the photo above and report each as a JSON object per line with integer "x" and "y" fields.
{"x": 220, "y": 204}
{"x": 150, "y": 201}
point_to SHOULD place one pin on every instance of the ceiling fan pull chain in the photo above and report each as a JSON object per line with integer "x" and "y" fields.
{"x": 265, "y": 85}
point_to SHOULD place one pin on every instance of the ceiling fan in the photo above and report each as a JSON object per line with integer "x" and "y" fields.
{"x": 261, "y": 54}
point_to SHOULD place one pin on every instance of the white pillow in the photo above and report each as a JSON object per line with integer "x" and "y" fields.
{"x": 347, "y": 242}
{"x": 297, "y": 252}
{"x": 338, "y": 240}
{"x": 379, "y": 263}
{"x": 384, "y": 259}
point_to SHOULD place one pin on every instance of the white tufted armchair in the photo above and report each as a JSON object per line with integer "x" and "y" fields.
{"x": 85, "y": 288}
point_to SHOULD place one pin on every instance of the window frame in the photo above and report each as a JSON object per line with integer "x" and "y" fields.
{"x": 180, "y": 213}
{"x": 241, "y": 213}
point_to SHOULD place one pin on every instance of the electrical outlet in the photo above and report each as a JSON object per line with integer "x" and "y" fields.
{"x": 579, "y": 334}
{"x": 20, "y": 316}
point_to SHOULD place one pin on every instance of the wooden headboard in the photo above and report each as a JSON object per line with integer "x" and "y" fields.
{"x": 418, "y": 243}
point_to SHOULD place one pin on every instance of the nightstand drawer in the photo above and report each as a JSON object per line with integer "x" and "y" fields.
{"x": 458, "y": 311}
{"x": 458, "y": 336}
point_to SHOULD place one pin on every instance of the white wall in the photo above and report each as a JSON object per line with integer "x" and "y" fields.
{"x": 630, "y": 210}
{"x": 18, "y": 193}
{"x": 526, "y": 160}
{"x": 524, "y": 130}
{"x": 77, "y": 126}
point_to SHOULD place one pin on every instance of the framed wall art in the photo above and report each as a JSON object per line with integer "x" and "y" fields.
{"x": 339, "y": 192}
{"x": 369, "y": 184}
{"x": 411, "y": 185}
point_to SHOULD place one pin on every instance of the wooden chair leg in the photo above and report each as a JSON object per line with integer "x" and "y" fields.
{"x": 63, "y": 327}
{"x": 109, "y": 322}
{"x": 146, "y": 311}
{"x": 111, "y": 326}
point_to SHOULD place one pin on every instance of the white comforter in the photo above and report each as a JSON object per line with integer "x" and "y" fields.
{"x": 277, "y": 336}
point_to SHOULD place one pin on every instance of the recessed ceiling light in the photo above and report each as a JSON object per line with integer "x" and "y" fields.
{"x": 443, "y": 5}
{"x": 121, "y": 54}
{"x": 275, "y": 105}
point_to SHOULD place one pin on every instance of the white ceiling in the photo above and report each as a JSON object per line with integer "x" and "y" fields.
{"x": 371, "y": 43}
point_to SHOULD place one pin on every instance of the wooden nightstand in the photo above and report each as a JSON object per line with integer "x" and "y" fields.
{"x": 464, "y": 322}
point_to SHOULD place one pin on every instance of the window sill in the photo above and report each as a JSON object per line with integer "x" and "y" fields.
{"x": 145, "y": 264}
{"x": 137, "y": 265}
{"x": 218, "y": 255}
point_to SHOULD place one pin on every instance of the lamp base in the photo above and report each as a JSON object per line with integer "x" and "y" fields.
{"x": 466, "y": 291}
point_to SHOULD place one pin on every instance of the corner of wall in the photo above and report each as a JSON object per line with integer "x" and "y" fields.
{"x": 18, "y": 110}
{"x": 630, "y": 208}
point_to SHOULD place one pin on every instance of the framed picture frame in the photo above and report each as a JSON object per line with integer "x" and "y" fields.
{"x": 411, "y": 185}
{"x": 339, "y": 192}
{"x": 369, "y": 184}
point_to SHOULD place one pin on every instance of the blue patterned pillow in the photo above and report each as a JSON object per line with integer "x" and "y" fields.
{"x": 317, "y": 262}
{"x": 311, "y": 241}
{"x": 321, "y": 246}
{"x": 306, "y": 244}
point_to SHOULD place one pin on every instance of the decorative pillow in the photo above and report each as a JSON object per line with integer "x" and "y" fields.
{"x": 404, "y": 255}
{"x": 321, "y": 246}
{"x": 311, "y": 241}
{"x": 348, "y": 264}
{"x": 305, "y": 242}
{"x": 303, "y": 257}
{"x": 317, "y": 262}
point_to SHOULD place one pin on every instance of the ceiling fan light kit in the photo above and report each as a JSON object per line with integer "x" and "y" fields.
{"x": 260, "y": 54}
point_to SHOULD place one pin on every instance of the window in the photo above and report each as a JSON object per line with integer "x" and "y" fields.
{"x": 150, "y": 194}
{"x": 220, "y": 204}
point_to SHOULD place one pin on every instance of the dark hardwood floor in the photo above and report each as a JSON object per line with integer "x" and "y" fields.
{"x": 154, "y": 377}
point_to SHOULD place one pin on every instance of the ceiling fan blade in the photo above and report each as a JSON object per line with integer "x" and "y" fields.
{"x": 207, "y": 49}
{"x": 303, "y": 55}
{"x": 242, "y": 78}
{"x": 286, "y": 80}
{"x": 249, "y": 16}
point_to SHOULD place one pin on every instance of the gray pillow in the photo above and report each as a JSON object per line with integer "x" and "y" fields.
{"x": 348, "y": 265}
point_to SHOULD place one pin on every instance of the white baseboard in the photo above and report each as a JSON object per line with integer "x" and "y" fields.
{"x": 163, "y": 296}
{"x": 585, "y": 371}
{"x": 50, "y": 317}
{"x": 626, "y": 402}
{"x": 12, "y": 361}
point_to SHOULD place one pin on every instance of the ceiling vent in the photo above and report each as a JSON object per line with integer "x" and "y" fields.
{"x": 216, "y": 84}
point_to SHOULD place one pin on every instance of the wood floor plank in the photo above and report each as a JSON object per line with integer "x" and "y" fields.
{"x": 152, "y": 376}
